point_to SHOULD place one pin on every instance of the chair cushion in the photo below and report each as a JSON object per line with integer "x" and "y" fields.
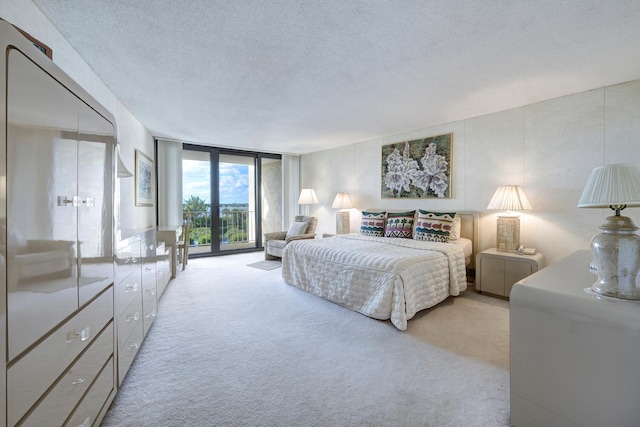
{"x": 297, "y": 228}
{"x": 275, "y": 248}
{"x": 280, "y": 244}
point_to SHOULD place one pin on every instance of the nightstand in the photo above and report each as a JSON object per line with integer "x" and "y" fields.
{"x": 497, "y": 271}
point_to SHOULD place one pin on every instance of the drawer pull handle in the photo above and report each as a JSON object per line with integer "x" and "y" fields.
{"x": 149, "y": 292}
{"x": 84, "y": 335}
{"x": 152, "y": 314}
{"x": 130, "y": 288}
{"x": 134, "y": 346}
{"x": 78, "y": 381}
{"x": 86, "y": 422}
{"x": 135, "y": 316}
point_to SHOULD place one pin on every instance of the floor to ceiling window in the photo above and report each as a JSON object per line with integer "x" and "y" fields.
{"x": 230, "y": 198}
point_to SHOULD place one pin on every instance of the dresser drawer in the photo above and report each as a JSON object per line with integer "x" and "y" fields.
{"x": 148, "y": 248}
{"x": 32, "y": 375}
{"x": 59, "y": 403}
{"x": 163, "y": 268}
{"x": 128, "y": 289}
{"x": 130, "y": 318}
{"x": 128, "y": 352}
{"x": 89, "y": 409}
{"x": 128, "y": 258}
{"x": 149, "y": 293}
{"x": 149, "y": 308}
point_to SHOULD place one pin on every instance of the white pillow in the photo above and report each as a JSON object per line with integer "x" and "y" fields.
{"x": 454, "y": 234}
{"x": 297, "y": 228}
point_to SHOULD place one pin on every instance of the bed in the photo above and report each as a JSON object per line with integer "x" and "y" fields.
{"x": 382, "y": 277}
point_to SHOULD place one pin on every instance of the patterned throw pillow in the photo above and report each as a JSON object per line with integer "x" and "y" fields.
{"x": 434, "y": 226}
{"x": 399, "y": 225}
{"x": 372, "y": 224}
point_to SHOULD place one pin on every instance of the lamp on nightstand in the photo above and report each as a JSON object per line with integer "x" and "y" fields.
{"x": 307, "y": 197}
{"x": 342, "y": 201}
{"x": 509, "y": 198}
{"x": 616, "y": 251}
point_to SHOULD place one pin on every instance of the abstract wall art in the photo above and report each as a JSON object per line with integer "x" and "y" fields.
{"x": 418, "y": 169}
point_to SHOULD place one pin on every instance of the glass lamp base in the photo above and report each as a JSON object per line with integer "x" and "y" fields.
{"x": 616, "y": 259}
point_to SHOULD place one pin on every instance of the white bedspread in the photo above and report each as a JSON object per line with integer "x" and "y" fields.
{"x": 383, "y": 278}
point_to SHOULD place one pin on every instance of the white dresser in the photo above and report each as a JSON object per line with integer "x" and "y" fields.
{"x": 574, "y": 356}
{"x": 136, "y": 293}
{"x": 57, "y": 295}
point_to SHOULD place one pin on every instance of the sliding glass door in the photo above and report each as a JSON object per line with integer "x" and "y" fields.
{"x": 223, "y": 197}
{"x": 237, "y": 202}
{"x": 196, "y": 195}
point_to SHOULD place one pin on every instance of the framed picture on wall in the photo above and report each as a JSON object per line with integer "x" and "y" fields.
{"x": 144, "y": 179}
{"x": 418, "y": 169}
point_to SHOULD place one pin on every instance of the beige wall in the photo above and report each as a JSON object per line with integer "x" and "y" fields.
{"x": 549, "y": 148}
{"x": 131, "y": 134}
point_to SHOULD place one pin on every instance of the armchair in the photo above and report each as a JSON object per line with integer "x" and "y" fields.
{"x": 303, "y": 227}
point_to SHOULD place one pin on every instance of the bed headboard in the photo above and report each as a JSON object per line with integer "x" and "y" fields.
{"x": 468, "y": 228}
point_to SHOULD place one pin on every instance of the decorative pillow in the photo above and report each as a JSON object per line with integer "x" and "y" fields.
{"x": 434, "y": 226}
{"x": 455, "y": 229}
{"x": 372, "y": 224}
{"x": 399, "y": 224}
{"x": 297, "y": 228}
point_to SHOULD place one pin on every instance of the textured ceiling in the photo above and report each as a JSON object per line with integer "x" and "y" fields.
{"x": 297, "y": 76}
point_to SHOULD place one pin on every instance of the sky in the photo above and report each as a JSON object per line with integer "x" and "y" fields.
{"x": 234, "y": 181}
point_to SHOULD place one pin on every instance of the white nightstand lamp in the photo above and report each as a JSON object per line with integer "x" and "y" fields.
{"x": 508, "y": 198}
{"x": 616, "y": 251}
{"x": 307, "y": 197}
{"x": 342, "y": 201}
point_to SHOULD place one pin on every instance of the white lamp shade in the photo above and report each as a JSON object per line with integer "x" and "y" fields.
{"x": 612, "y": 185}
{"x": 509, "y": 198}
{"x": 342, "y": 201}
{"x": 307, "y": 197}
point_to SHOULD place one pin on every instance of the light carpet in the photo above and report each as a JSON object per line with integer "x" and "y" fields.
{"x": 234, "y": 345}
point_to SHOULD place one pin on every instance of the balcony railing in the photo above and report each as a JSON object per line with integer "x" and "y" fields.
{"x": 236, "y": 226}
{"x": 236, "y": 229}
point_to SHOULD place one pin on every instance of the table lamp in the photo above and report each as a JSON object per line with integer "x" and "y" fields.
{"x": 616, "y": 251}
{"x": 342, "y": 201}
{"x": 307, "y": 197}
{"x": 508, "y": 198}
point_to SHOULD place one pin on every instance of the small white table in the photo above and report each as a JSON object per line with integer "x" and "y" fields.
{"x": 170, "y": 234}
{"x": 574, "y": 355}
{"x": 497, "y": 271}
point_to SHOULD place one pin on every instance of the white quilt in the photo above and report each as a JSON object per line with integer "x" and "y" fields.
{"x": 383, "y": 278}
